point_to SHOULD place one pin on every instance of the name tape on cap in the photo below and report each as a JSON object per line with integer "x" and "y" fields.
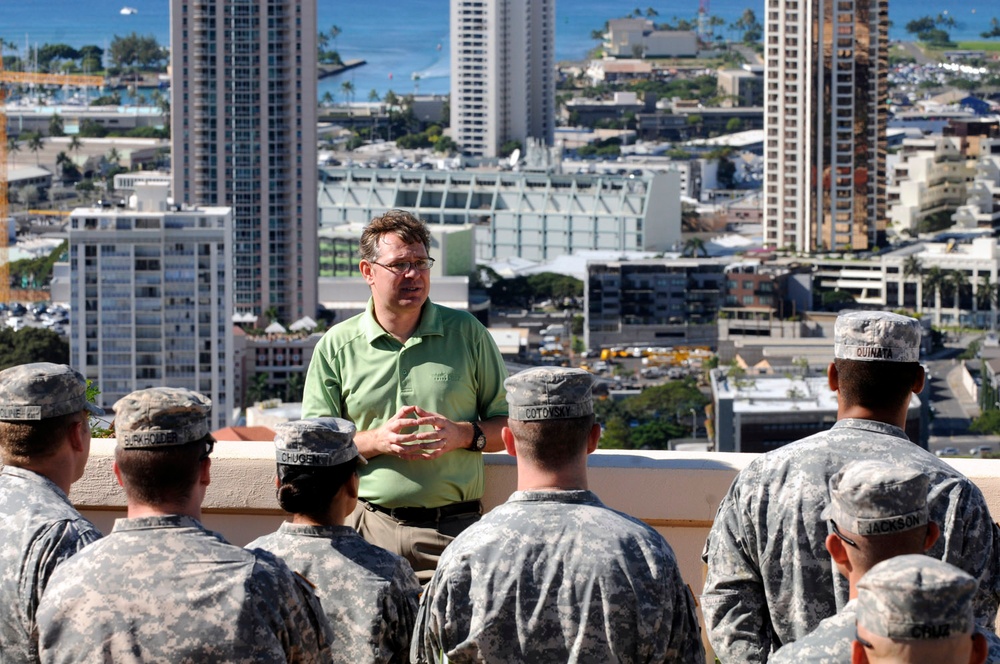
{"x": 20, "y": 412}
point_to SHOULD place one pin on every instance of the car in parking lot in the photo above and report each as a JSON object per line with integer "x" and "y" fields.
{"x": 947, "y": 451}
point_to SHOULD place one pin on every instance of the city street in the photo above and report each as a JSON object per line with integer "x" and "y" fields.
{"x": 953, "y": 408}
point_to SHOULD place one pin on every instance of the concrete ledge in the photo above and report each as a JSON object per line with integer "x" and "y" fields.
{"x": 677, "y": 493}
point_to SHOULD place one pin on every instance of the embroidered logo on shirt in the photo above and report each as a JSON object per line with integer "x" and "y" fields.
{"x": 441, "y": 376}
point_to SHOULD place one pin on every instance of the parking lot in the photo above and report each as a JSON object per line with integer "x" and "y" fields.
{"x": 19, "y": 315}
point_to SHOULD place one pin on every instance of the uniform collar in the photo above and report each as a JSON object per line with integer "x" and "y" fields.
{"x": 36, "y": 478}
{"x": 164, "y": 521}
{"x": 581, "y": 496}
{"x": 871, "y": 425}
{"x": 304, "y": 530}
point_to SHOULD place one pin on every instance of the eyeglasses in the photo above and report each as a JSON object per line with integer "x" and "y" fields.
{"x": 846, "y": 540}
{"x": 210, "y": 446}
{"x": 402, "y": 267}
{"x": 866, "y": 644}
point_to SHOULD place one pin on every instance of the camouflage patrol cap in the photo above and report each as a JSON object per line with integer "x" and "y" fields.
{"x": 320, "y": 441}
{"x": 916, "y": 597}
{"x": 549, "y": 393}
{"x": 877, "y": 498}
{"x": 42, "y": 390}
{"x": 161, "y": 417}
{"x": 869, "y": 336}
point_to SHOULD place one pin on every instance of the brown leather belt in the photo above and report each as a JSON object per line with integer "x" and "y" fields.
{"x": 427, "y": 514}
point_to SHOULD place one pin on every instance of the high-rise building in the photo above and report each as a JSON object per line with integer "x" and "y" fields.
{"x": 502, "y": 73}
{"x": 825, "y": 119}
{"x": 149, "y": 290}
{"x": 243, "y": 124}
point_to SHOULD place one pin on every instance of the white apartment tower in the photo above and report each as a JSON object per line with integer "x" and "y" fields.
{"x": 502, "y": 73}
{"x": 825, "y": 119}
{"x": 243, "y": 124}
{"x": 151, "y": 302}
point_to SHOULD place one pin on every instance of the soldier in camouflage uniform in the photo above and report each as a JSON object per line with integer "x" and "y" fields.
{"x": 162, "y": 588}
{"x": 44, "y": 446}
{"x": 553, "y": 575}
{"x": 915, "y": 609}
{"x": 877, "y": 511}
{"x": 770, "y": 580}
{"x": 369, "y": 594}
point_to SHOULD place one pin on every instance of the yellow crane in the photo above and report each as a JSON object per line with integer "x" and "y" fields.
{"x": 79, "y": 80}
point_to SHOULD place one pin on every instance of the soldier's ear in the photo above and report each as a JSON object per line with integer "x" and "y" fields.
{"x": 508, "y": 441}
{"x": 594, "y": 438}
{"x": 77, "y": 430}
{"x": 832, "y": 377}
{"x": 933, "y": 532}
{"x": 837, "y": 550}
{"x": 918, "y": 385}
{"x": 980, "y": 649}
{"x": 858, "y": 654}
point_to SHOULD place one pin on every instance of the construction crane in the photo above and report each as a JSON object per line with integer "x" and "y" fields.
{"x": 6, "y": 77}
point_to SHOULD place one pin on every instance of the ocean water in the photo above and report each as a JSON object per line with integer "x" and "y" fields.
{"x": 401, "y": 38}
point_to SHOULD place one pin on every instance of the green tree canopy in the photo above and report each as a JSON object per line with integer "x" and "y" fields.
{"x": 134, "y": 50}
{"x": 31, "y": 344}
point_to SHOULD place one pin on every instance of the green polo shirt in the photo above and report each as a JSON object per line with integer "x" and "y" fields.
{"x": 450, "y": 366}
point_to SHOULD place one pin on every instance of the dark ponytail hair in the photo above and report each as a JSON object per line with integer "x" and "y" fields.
{"x": 309, "y": 490}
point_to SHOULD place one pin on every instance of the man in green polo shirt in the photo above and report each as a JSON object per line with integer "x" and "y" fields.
{"x": 423, "y": 384}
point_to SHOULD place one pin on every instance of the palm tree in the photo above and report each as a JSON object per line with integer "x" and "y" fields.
{"x": 347, "y": 88}
{"x": 258, "y": 389}
{"x": 373, "y": 95}
{"x": 13, "y": 147}
{"x": 294, "y": 386}
{"x": 334, "y": 32}
{"x": 934, "y": 282}
{"x": 75, "y": 144}
{"x": 66, "y": 166}
{"x": 984, "y": 297}
{"x": 912, "y": 269}
{"x": 694, "y": 246}
{"x": 957, "y": 281}
{"x": 35, "y": 144}
{"x": 114, "y": 156}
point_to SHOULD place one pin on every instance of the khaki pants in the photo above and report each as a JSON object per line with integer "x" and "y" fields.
{"x": 419, "y": 543}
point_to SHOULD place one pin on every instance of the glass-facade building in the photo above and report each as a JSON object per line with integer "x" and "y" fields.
{"x": 825, "y": 123}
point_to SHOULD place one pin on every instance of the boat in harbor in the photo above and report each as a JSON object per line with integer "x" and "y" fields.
{"x": 128, "y": 11}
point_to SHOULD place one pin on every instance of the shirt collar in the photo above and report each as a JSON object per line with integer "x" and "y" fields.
{"x": 430, "y": 323}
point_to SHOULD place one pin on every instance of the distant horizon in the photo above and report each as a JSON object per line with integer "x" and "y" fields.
{"x": 398, "y": 38}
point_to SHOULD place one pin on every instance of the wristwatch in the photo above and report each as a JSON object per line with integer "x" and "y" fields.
{"x": 478, "y": 443}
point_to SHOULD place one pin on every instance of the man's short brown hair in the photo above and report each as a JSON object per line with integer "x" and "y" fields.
{"x": 551, "y": 444}
{"x": 161, "y": 475}
{"x": 400, "y": 223}
{"x": 23, "y": 441}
